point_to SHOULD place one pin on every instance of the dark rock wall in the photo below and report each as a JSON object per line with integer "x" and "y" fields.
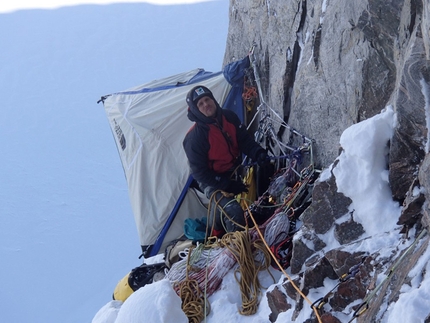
{"x": 325, "y": 65}
{"x": 408, "y": 144}
{"x": 328, "y": 64}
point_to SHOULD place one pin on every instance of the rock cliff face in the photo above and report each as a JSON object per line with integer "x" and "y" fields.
{"x": 326, "y": 65}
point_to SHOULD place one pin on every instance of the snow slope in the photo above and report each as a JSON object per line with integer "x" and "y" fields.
{"x": 361, "y": 174}
{"x": 370, "y": 199}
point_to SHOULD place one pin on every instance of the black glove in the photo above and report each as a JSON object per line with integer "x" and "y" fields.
{"x": 236, "y": 187}
{"x": 262, "y": 158}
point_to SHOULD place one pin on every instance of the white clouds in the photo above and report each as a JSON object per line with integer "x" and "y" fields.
{"x": 10, "y": 6}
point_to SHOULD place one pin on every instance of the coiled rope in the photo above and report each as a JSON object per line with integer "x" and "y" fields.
{"x": 193, "y": 300}
{"x": 241, "y": 249}
{"x": 240, "y": 245}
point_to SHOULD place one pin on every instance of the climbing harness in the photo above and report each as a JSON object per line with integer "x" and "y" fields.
{"x": 364, "y": 306}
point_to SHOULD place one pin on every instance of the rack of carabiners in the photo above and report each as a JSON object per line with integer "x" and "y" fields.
{"x": 290, "y": 188}
{"x": 269, "y": 122}
{"x": 287, "y": 157}
{"x": 291, "y": 183}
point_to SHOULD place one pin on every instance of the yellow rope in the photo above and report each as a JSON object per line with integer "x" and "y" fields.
{"x": 280, "y": 267}
{"x": 214, "y": 203}
{"x": 193, "y": 301}
{"x": 239, "y": 243}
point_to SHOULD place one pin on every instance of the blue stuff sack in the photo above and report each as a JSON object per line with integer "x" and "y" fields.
{"x": 195, "y": 229}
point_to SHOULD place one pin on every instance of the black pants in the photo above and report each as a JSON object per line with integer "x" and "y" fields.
{"x": 228, "y": 213}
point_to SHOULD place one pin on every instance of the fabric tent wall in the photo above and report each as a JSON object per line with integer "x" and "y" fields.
{"x": 149, "y": 125}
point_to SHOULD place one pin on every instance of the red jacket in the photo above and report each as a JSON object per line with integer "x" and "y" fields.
{"x": 214, "y": 147}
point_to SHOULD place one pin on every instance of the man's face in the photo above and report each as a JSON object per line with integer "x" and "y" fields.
{"x": 207, "y": 106}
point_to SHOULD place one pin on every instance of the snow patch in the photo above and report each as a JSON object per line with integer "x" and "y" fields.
{"x": 362, "y": 175}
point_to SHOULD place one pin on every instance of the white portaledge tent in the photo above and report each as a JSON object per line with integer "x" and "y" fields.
{"x": 149, "y": 123}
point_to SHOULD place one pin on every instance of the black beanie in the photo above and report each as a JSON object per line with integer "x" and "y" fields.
{"x": 197, "y": 92}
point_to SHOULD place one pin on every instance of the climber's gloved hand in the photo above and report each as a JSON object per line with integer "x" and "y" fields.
{"x": 236, "y": 187}
{"x": 262, "y": 158}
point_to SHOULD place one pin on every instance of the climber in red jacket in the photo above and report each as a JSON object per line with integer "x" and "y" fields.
{"x": 214, "y": 145}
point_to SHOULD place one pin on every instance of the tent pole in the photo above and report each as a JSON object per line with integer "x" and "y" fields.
{"x": 153, "y": 250}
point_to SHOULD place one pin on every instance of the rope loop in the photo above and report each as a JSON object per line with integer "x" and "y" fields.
{"x": 194, "y": 304}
